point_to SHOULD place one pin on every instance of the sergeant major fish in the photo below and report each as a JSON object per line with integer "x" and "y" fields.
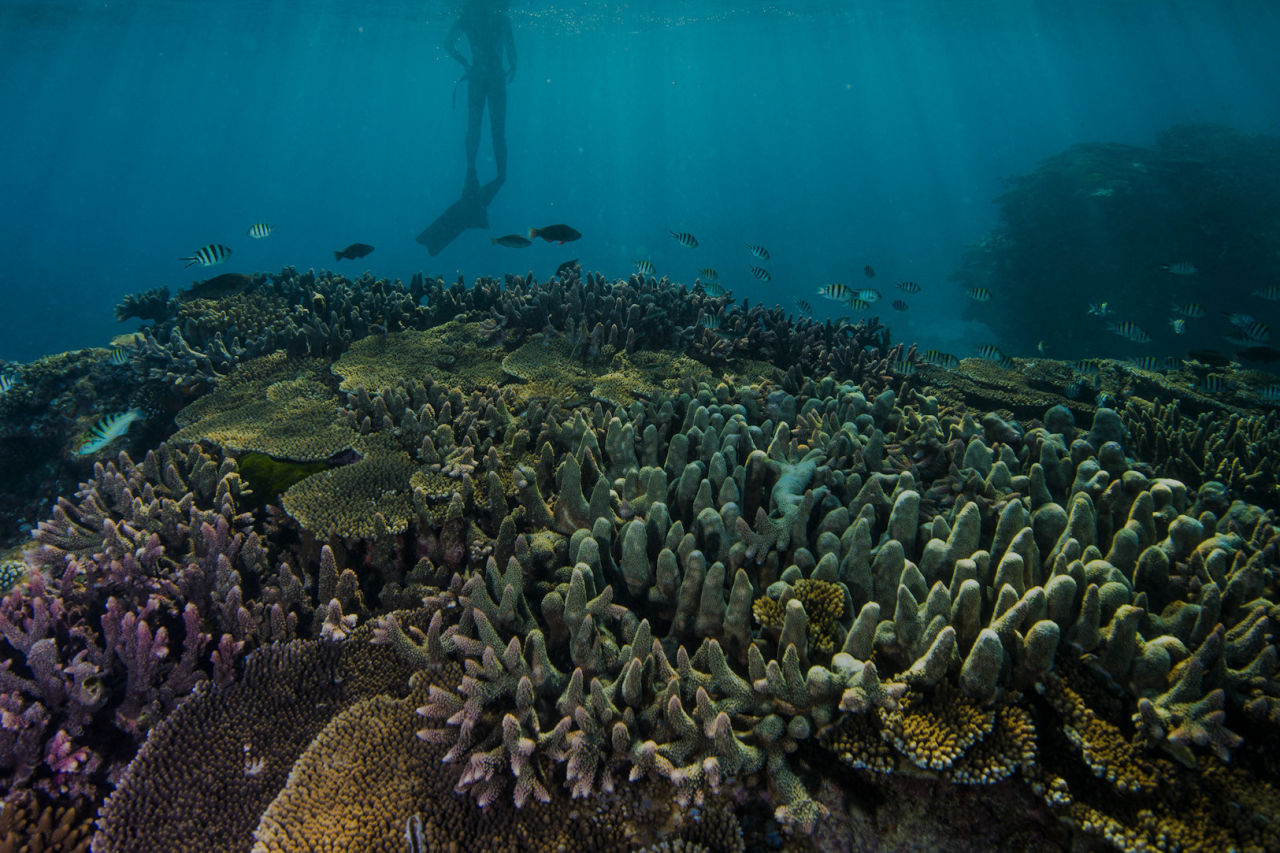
{"x": 258, "y": 230}
{"x": 644, "y": 267}
{"x": 684, "y": 238}
{"x": 762, "y": 274}
{"x": 909, "y": 287}
{"x": 207, "y": 256}
{"x": 1130, "y": 331}
{"x": 978, "y": 294}
{"x": 758, "y": 251}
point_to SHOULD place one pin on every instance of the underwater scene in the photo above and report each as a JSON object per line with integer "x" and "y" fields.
{"x": 664, "y": 427}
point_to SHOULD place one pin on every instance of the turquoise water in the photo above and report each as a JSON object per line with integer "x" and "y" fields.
{"x": 837, "y": 135}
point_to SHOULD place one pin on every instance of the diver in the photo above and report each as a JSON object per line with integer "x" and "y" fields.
{"x": 488, "y": 31}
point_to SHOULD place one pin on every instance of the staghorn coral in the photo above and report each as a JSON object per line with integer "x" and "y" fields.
{"x": 30, "y": 822}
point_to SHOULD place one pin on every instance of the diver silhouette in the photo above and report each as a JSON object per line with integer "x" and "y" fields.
{"x": 487, "y": 29}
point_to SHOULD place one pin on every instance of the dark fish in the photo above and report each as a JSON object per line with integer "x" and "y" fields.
{"x": 762, "y": 274}
{"x": 355, "y": 250}
{"x": 258, "y": 230}
{"x": 869, "y": 271}
{"x": 207, "y": 256}
{"x": 684, "y": 238}
{"x": 559, "y": 233}
{"x": 1261, "y": 354}
{"x": 566, "y": 268}
{"x": 909, "y": 287}
{"x": 899, "y": 305}
{"x": 512, "y": 241}
{"x": 759, "y": 251}
{"x": 1211, "y": 357}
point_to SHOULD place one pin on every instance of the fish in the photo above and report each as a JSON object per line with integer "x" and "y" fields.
{"x": 1239, "y": 320}
{"x": 355, "y": 250}
{"x": 762, "y": 274}
{"x": 1271, "y": 294}
{"x": 908, "y": 287}
{"x": 1072, "y": 390}
{"x": 1193, "y": 310}
{"x": 512, "y": 241}
{"x": 990, "y": 352}
{"x": 1099, "y": 309}
{"x": 710, "y": 273}
{"x": 1147, "y": 362}
{"x": 805, "y": 308}
{"x": 1180, "y": 268}
{"x": 712, "y": 288}
{"x": 758, "y": 251}
{"x": 258, "y": 230}
{"x": 1269, "y": 394}
{"x": 978, "y": 294}
{"x": 684, "y": 238}
{"x": 1178, "y": 325}
{"x": 858, "y": 304}
{"x": 904, "y": 367}
{"x": 559, "y": 233}
{"x": 939, "y": 358}
{"x": 118, "y": 356}
{"x": 869, "y": 271}
{"x": 1041, "y": 347}
{"x": 644, "y": 267}
{"x": 1214, "y": 383}
{"x": 1250, "y": 334}
{"x": 207, "y": 256}
{"x": 709, "y": 321}
{"x": 566, "y": 268}
{"x": 868, "y": 294}
{"x": 899, "y": 305}
{"x": 1130, "y": 331}
{"x": 107, "y": 430}
{"x": 835, "y": 290}
{"x": 6, "y": 382}
{"x": 1262, "y": 354}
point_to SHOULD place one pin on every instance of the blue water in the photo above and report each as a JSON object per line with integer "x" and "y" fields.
{"x": 835, "y": 134}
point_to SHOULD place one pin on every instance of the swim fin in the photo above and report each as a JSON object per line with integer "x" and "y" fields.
{"x": 469, "y": 211}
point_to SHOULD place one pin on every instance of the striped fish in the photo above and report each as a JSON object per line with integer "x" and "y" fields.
{"x": 1130, "y": 331}
{"x": 108, "y": 430}
{"x": 258, "y": 230}
{"x": 758, "y": 251}
{"x": 6, "y": 382}
{"x": 762, "y": 274}
{"x": 1270, "y": 394}
{"x": 118, "y": 356}
{"x": 978, "y": 294}
{"x": 207, "y": 256}
{"x": 904, "y": 367}
{"x": 990, "y": 352}
{"x": 805, "y": 308}
{"x": 835, "y": 290}
{"x": 908, "y": 287}
{"x": 1256, "y": 332}
{"x": 858, "y": 304}
{"x": 1192, "y": 310}
{"x": 1180, "y": 268}
{"x": 712, "y": 288}
{"x": 684, "y": 238}
{"x": 1214, "y": 383}
{"x": 709, "y": 321}
{"x": 868, "y": 294}
{"x": 644, "y": 267}
{"x": 899, "y": 305}
{"x": 1271, "y": 294}
{"x": 1148, "y": 362}
{"x": 710, "y": 273}
{"x": 940, "y": 359}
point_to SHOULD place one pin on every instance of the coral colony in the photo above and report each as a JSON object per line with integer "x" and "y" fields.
{"x": 618, "y": 565}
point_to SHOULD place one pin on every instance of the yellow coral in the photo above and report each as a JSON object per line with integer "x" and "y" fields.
{"x": 346, "y": 501}
{"x": 823, "y": 605}
{"x": 934, "y": 729}
{"x": 451, "y": 354}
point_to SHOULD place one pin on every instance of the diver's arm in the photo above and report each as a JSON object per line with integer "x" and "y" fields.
{"x": 451, "y": 44}
{"x": 509, "y": 42}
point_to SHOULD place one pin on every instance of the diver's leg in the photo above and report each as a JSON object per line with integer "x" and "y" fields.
{"x": 475, "y": 114}
{"x": 498, "y": 125}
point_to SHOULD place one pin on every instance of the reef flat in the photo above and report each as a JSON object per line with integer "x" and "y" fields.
{"x": 564, "y": 566}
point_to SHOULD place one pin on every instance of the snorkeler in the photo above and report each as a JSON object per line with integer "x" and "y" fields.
{"x": 489, "y": 37}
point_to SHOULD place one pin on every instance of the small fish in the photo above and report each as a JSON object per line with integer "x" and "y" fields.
{"x": 1265, "y": 355}
{"x": 712, "y": 288}
{"x": 1172, "y": 362}
{"x": 908, "y": 287}
{"x": 709, "y": 273}
{"x": 940, "y": 359}
{"x": 758, "y": 251}
{"x": 1089, "y": 366}
{"x": 1271, "y": 294}
{"x": 566, "y": 268}
{"x": 868, "y": 294}
{"x": 684, "y": 238}
{"x": 978, "y": 294}
{"x": 1099, "y": 309}
{"x": 1178, "y": 325}
{"x": 512, "y": 241}
{"x": 1130, "y": 331}
{"x": 1269, "y": 394}
{"x": 869, "y": 271}
{"x": 1180, "y": 268}
{"x": 6, "y": 382}
{"x": 1041, "y": 347}
{"x": 709, "y": 321}
{"x": 118, "y": 356}
{"x": 805, "y": 308}
{"x": 558, "y": 233}
{"x": 207, "y": 256}
{"x": 1239, "y": 320}
{"x": 858, "y": 304}
{"x": 762, "y": 274}
{"x": 258, "y": 230}
{"x": 644, "y": 267}
{"x": 835, "y": 290}
{"x": 1214, "y": 383}
{"x": 904, "y": 367}
{"x": 899, "y": 305}
{"x": 1072, "y": 390}
{"x": 990, "y": 352}
{"x": 1192, "y": 310}
{"x": 108, "y": 430}
{"x": 1147, "y": 362}
{"x": 355, "y": 250}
